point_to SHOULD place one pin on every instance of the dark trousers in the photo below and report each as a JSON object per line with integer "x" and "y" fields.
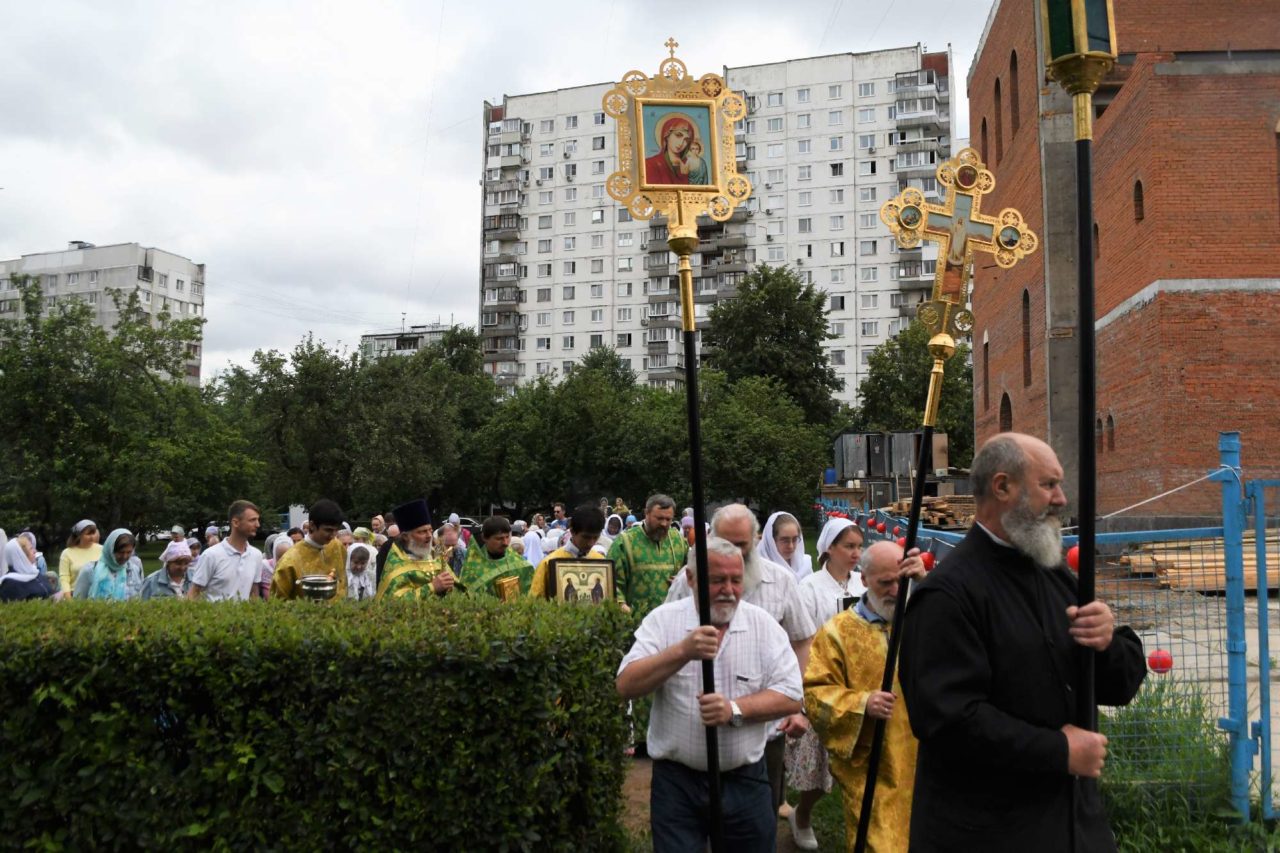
{"x": 679, "y": 802}
{"x": 775, "y": 753}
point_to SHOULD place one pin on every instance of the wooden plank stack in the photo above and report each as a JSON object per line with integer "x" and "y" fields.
{"x": 952, "y": 512}
{"x": 1200, "y": 565}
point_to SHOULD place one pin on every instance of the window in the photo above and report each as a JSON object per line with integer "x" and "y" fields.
{"x": 544, "y": 294}
{"x": 570, "y": 171}
{"x": 835, "y": 91}
{"x": 567, "y": 293}
{"x": 597, "y": 216}
{"x": 597, "y": 290}
{"x": 836, "y": 329}
{"x": 93, "y": 298}
{"x": 982, "y": 142}
{"x": 544, "y": 221}
{"x": 835, "y": 118}
{"x": 544, "y": 246}
{"x": 1006, "y": 413}
{"x": 625, "y": 265}
{"x": 750, "y": 125}
{"x": 624, "y": 340}
{"x": 776, "y": 227}
{"x": 866, "y": 220}
{"x": 837, "y": 249}
{"x": 866, "y": 115}
{"x": 865, "y": 356}
{"x": 567, "y": 318}
{"x": 597, "y": 191}
{"x": 597, "y": 315}
{"x": 74, "y": 278}
{"x": 805, "y": 198}
{"x": 543, "y": 368}
{"x": 891, "y": 112}
{"x": 777, "y": 253}
{"x": 597, "y": 167}
{"x": 774, "y": 202}
{"x": 1014, "y": 118}
{"x": 597, "y": 268}
{"x": 804, "y": 225}
{"x": 548, "y": 125}
{"x": 570, "y": 267}
{"x": 802, "y": 96}
{"x": 836, "y": 223}
{"x": 775, "y": 99}
{"x": 93, "y": 277}
{"x": 1026, "y": 338}
{"x": 804, "y": 173}
{"x": 837, "y": 275}
{"x": 869, "y": 274}
{"x": 542, "y": 344}
{"x": 162, "y": 281}
{"x": 544, "y": 270}
{"x": 867, "y": 167}
{"x": 546, "y": 173}
{"x": 571, "y": 194}
{"x": 866, "y": 90}
{"x": 545, "y": 196}
{"x": 597, "y": 143}
{"x": 598, "y": 119}
{"x": 571, "y": 146}
{"x": 866, "y": 193}
{"x": 774, "y": 176}
{"x": 837, "y": 303}
{"x": 570, "y": 243}
{"x": 624, "y": 315}
{"x": 546, "y": 149}
{"x": 867, "y": 247}
{"x": 487, "y": 318}
{"x": 897, "y": 299}
{"x": 837, "y": 170}
{"x": 624, "y": 288}
{"x": 1139, "y": 204}
{"x": 870, "y": 328}
{"x": 597, "y": 240}
{"x": 775, "y": 125}
{"x": 837, "y": 195}
{"x": 804, "y": 121}
{"x": 837, "y": 357}
{"x": 774, "y": 149}
{"x": 999, "y": 123}
{"x": 837, "y": 143}
{"x": 570, "y": 218}
{"x": 566, "y": 342}
{"x": 804, "y": 146}
{"x": 866, "y": 140}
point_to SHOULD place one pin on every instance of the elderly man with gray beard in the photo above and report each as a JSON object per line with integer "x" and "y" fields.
{"x": 772, "y": 588}
{"x": 990, "y": 673}
{"x": 757, "y": 682}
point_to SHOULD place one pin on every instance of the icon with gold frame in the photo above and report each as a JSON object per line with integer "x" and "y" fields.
{"x": 583, "y": 581}
{"x": 507, "y": 589}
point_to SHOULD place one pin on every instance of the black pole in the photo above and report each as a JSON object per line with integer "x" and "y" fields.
{"x": 895, "y": 638}
{"x": 700, "y": 544}
{"x": 1086, "y": 708}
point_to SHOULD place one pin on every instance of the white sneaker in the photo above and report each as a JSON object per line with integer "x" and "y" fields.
{"x": 803, "y": 837}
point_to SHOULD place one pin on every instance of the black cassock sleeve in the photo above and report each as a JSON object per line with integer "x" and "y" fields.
{"x": 946, "y": 682}
{"x": 1118, "y": 672}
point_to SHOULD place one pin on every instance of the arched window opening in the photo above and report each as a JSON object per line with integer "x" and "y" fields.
{"x": 999, "y": 119}
{"x": 1006, "y": 413}
{"x": 1026, "y": 338}
{"x": 1139, "y": 213}
{"x": 1014, "y": 118}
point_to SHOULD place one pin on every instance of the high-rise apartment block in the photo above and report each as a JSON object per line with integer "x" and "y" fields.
{"x": 164, "y": 281}
{"x": 827, "y": 140}
{"x": 404, "y": 341}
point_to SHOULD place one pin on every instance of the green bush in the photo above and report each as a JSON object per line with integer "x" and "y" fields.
{"x": 458, "y": 724}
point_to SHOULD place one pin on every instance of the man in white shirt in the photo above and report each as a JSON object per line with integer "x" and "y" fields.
{"x": 757, "y": 681}
{"x": 228, "y": 570}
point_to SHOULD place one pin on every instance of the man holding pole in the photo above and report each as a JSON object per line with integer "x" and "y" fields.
{"x": 989, "y": 672}
{"x": 757, "y": 680}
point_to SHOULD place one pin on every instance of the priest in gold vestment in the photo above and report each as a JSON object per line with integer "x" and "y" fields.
{"x": 842, "y": 699}
{"x": 319, "y": 553}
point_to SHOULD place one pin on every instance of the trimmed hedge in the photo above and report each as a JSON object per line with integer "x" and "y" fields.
{"x": 457, "y": 724}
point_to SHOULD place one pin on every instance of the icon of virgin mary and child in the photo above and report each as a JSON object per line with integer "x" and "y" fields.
{"x": 679, "y": 159}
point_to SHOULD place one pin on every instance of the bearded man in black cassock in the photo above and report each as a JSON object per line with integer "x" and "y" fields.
{"x": 989, "y": 671}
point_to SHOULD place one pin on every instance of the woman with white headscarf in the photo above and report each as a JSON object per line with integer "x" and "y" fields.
{"x": 22, "y": 580}
{"x": 782, "y": 542}
{"x": 836, "y": 586}
{"x": 612, "y": 529}
{"x": 360, "y": 573}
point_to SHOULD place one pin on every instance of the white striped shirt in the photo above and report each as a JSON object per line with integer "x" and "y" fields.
{"x": 778, "y": 594}
{"x": 754, "y": 655}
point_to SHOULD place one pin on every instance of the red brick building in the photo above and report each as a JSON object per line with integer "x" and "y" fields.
{"x": 1187, "y": 211}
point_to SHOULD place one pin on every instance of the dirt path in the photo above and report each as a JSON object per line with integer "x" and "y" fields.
{"x": 635, "y": 805}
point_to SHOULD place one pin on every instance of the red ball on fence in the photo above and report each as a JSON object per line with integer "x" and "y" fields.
{"x": 1073, "y": 558}
{"x": 880, "y": 528}
{"x": 902, "y": 540}
{"x": 1160, "y": 660}
{"x": 927, "y": 559}
{"x": 897, "y": 530}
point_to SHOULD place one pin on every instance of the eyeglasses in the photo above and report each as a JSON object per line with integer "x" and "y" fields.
{"x": 788, "y": 540}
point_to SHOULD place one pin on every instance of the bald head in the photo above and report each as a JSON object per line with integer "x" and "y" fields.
{"x": 1007, "y": 457}
{"x": 880, "y": 575}
{"x": 1017, "y": 486}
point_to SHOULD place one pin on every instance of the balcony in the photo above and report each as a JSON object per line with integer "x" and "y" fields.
{"x": 907, "y": 310}
{"x": 673, "y": 369}
{"x": 502, "y": 232}
{"x": 922, "y": 119}
{"x": 917, "y": 170}
{"x": 669, "y": 294}
{"x": 506, "y": 380}
{"x": 931, "y": 145}
{"x": 511, "y": 161}
{"x": 660, "y": 270}
{"x": 664, "y": 321}
{"x": 923, "y": 284}
{"x": 732, "y": 241}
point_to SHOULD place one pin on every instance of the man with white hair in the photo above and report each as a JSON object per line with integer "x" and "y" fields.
{"x": 990, "y": 670}
{"x": 842, "y": 698}
{"x": 772, "y": 588}
{"x": 757, "y": 682}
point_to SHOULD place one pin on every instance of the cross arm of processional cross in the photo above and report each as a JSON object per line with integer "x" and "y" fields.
{"x": 959, "y": 228}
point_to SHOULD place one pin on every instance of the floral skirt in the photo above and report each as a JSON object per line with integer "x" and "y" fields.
{"x": 806, "y": 763}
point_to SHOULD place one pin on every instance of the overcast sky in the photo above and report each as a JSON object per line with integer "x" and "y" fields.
{"x": 323, "y": 158}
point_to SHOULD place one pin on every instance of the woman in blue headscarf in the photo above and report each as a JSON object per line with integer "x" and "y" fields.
{"x": 109, "y": 577}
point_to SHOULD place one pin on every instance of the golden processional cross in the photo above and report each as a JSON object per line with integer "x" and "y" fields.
{"x": 960, "y": 229}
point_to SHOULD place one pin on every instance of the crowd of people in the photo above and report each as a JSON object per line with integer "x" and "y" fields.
{"x": 980, "y": 750}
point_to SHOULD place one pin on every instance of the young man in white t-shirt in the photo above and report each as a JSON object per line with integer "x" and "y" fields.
{"x": 228, "y": 570}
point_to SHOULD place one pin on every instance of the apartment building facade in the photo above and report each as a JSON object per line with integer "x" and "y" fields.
{"x": 406, "y": 341}
{"x": 827, "y": 140}
{"x": 83, "y": 271}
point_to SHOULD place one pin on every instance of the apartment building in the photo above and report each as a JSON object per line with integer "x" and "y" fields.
{"x": 827, "y": 140}
{"x": 404, "y": 341}
{"x": 83, "y": 271}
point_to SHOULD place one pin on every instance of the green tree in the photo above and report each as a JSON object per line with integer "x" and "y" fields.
{"x": 775, "y": 327}
{"x": 897, "y": 384}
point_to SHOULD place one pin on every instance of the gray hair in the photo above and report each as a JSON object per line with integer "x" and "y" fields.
{"x": 659, "y": 501}
{"x": 730, "y": 512}
{"x": 715, "y": 545}
{"x": 1000, "y": 455}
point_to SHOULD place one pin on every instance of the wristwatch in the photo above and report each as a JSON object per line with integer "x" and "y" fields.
{"x": 735, "y": 718}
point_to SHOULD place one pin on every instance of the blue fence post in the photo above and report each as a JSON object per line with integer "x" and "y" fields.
{"x": 1261, "y": 728}
{"x": 1236, "y": 723}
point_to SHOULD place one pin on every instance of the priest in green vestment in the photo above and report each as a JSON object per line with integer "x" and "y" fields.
{"x": 492, "y": 559}
{"x": 647, "y": 556}
{"x": 412, "y": 569}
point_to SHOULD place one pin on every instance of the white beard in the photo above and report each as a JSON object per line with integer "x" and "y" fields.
{"x": 422, "y": 553}
{"x": 1037, "y": 536}
{"x": 752, "y": 573}
{"x": 722, "y": 612}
